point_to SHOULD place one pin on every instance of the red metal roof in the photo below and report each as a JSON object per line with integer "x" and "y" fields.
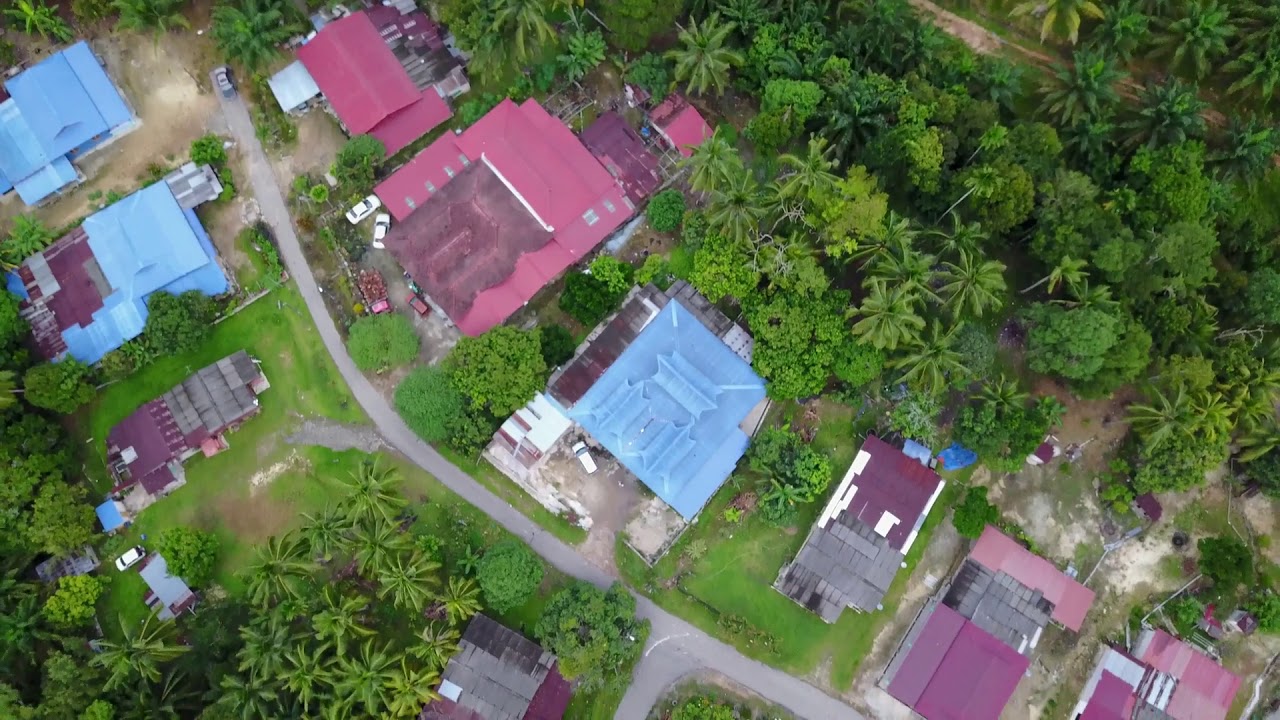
{"x": 154, "y": 436}
{"x": 680, "y": 123}
{"x": 1071, "y": 600}
{"x": 893, "y": 483}
{"x": 76, "y": 300}
{"x": 1112, "y": 699}
{"x": 957, "y": 671}
{"x": 367, "y": 86}
{"x": 1150, "y": 506}
{"x": 551, "y": 699}
{"x": 623, "y": 153}
{"x": 1205, "y": 689}
{"x": 410, "y": 187}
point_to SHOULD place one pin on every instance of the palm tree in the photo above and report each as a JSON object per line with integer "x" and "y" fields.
{"x": 376, "y": 545}
{"x": 326, "y": 532}
{"x": 1122, "y": 31}
{"x": 1004, "y": 392}
{"x": 782, "y": 495}
{"x": 811, "y": 173}
{"x": 249, "y": 32}
{"x": 374, "y": 493}
{"x": 339, "y": 619}
{"x": 1196, "y": 40}
{"x": 411, "y": 690}
{"x": 1257, "y": 76}
{"x": 1061, "y": 17}
{"x": 931, "y": 360}
{"x": 309, "y": 673}
{"x": 713, "y": 163}
{"x": 1084, "y": 295}
{"x": 461, "y": 599}
{"x": 1067, "y": 270}
{"x": 1169, "y": 114}
{"x": 408, "y": 581}
{"x": 963, "y": 237}
{"x": 984, "y": 182}
{"x": 266, "y": 640}
{"x": 36, "y": 18}
{"x": 904, "y": 267}
{"x": 8, "y": 389}
{"x": 280, "y": 565}
{"x": 1247, "y": 151}
{"x": 889, "y": 317}
{"x": 158, "y": 16}
{"x": 736, "y": 211}
{"x": 973, "y": 284}
{"x": 1003, "y": 80}
{"x": 1090, "y": 141}
{"x": 140, "y": 654}
{"x": 1164, "y": 419}
{"x": 437, "y": 642}
{"x": 992, "y": 139}
{"x": 704, "y": 59}
{"x": 851, "y": 114}
{"x": 365, "y": 677}
{"x": 1258, "y": 440}
{"x": 526, "y": 21}
{"x": 1084, "y": 90}
{"x": 248, "y": 695}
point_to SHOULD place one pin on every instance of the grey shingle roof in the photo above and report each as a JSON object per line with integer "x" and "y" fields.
{"x": 999, "y": 604}
{"x": 845, "y": 564}
{"x": 498, "y": 669}
{"x": 215, "y": 396}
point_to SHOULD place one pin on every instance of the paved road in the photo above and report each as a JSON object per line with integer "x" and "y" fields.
{"x": 675, "y": 647}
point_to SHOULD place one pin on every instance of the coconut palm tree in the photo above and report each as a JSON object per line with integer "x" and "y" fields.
{"x": 174, "y": 696}
{"x": 1090, "y": 141}
{"x": 409, "y": 580}
{"x": 526, "y": 22}
{"x": 1247, "y": 151}
{"x": 1068, "y": 270}
{"x": 309, "y": 673}
{"x": 931, "y": 359}
{"x": 1004, "y": 392}
{"x": 973, "y": 284}
{"x": 374, "y": 493}
{"x": 36, "y": 18}
{"x": 850, "y": 116}
{"x": 140, "y": 653}
{"x": 810, "y": 173}
{"x": 1123, "y": 30}
{"x": 366, "y": 676}
{"x": 992, "y": 139}
{"x": 1165, "y": 419}
{"x": 339, "y": 619}
{"x": 411, "y": 689}
{"x": 735, "y": 212}
{"x": 1258, "y": 440}
{"x": 1086, "y": 89}
{"x": 1197, "y": 39}
{"x": 327, "y": 532}
{"x": 8, "y": 389}
{"x": 983, "y": 181}
{"x": 436, "y": 643}
{"x": 904, "y": 267}
{"x": 1169, "y": 113}
{"x": 713, "y": 163}
{"x": 703, "y": 59}
{"x": 248, "y": 695}
{"x": 266, "y": 640}
{"x": 962, "y": 237}
{"x": 461, "y": 599}
{"x": 1257, "y": 76}
{"x": 250, "y": 32}
{"x": 889, "y": 317}
{"x": 1061, "y": 18}
{"x": 158, "y": 16}
{"x": 280, "y": 567}
{"x": 376, "y": 545}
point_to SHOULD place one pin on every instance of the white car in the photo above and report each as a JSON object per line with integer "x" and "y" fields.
{"x": 584, "y": 457}
{"x": 363, "y": 209}
{"x": 130, "y": 558}
{"x": 381, "y": 225}
{"x": 222, "y": 79}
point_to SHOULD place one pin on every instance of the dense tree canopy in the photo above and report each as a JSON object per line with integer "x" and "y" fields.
{"x": 499, "y": 370}
{"x": 509, "y": 574}
{"x": 593, "y": 632}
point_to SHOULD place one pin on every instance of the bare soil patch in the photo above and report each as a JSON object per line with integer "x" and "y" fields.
{"x": 319, "y": 140}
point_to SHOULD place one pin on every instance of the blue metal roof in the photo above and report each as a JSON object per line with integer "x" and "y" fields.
{"x": 144, "y": 243}
{"x": 109, "y": 516}
{"x": 669, "y": 409}
{"x": 57, "y": 106}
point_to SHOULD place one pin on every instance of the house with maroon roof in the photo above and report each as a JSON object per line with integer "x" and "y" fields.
{"x": 383, "y": 73}
{"x": 1160, "y": 678}
{"x": 963, "y": 656}
{"x": 679, "y": 124}
{"x": 861, "y": 539}
{"x": 145, "y": 451}
{"x": 486, "y": 217}
{"x": 499, "y": 674}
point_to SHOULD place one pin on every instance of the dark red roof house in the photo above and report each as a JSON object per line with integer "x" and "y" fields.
{"x": 679, "y": 124}
{"x": 1162, "y": 677}
{"x": 622, "y": 152}
{"x": 1002, "y": 554}
{"x": 487, "y": 217}
{"x": 368, "y": 88}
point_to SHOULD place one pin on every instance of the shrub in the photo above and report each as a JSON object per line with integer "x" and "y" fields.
{"x": 1227, "y": 560}
{"x": 557, "y": 345}
{"x": 429, "y": 403}
{"x": 61, "y": 386}
{"x": 858, "y": 364}
{"x": 72, "y": 604}
{"x": 115, "y": 365}
{"x": 974, "y": 513}
{"x": 651, "y": 72}
{"x": 693, "y": 229}
{"x": 178, "y": 323}
{"x": 666, "y": 210}
{"x": 379, "y": 342}
{"x": 654, "y": 270}
{"x": 319, "y": 193}
{"x": 356, "y": 163}
{"x": 586, "y": 298}
{"x": 190, "y": 554}
{"x": 615, "y": 274}
{"x": 914, "y": 417}
{"x": 509, "y": 574}
{"x": 208, "y": 150}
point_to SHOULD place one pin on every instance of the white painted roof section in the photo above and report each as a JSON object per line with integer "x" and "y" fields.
{"x": 846, "y": 490}
{"x": 915, "y": 531}
{"x": 886, "y": 523}
{"x": 450, "y": 690}
{"x": 546, "y": 424}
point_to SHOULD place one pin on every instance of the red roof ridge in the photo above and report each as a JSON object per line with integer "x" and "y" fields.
{"x": 1001, "y": 553}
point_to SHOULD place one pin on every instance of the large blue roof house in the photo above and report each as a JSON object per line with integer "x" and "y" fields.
{"x": 86, "y": 294}
{"x": 50, "y": 114}
{"x": 666, "y": 388}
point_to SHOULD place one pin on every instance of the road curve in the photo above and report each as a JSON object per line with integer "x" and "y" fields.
{"x": 675, "y": 647}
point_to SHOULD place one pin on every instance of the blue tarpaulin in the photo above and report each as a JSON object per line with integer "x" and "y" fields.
{"x": 109, "y": 515}
{"x": 957, "y": 456}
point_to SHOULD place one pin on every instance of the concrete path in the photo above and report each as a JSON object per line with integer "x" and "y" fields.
{"x": 675, "y": 648}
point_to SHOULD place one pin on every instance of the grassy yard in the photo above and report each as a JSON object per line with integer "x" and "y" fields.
{"x": 741, "y": 562}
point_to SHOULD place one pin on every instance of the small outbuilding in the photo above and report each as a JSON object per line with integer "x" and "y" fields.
{"x": 167, "y": 595}
{"x": 679, "y": 124}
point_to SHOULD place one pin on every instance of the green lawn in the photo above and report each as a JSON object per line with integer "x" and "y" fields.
{"x": 736, "y": 574}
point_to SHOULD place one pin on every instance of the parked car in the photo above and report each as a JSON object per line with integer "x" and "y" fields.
{"x": 418, "y": 305}
{"x": 584, "y": 457}
{"x": 222, "y": 80}
{"x": 130, "y": 558}
{"x": 363, "y": 209}
{"x": 381, "y": 225}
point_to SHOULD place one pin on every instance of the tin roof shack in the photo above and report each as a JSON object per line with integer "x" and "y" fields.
{"x": 1162, "y": 678}
{"x": 965, "y": 653}
{"x": 81, "y": 563}
{"x": 861, "y": 539}
{"x": 147, "y": 448}
{"x": 498, "y": 674}
{"x": 168, "y": 595}
{"x": 679, "y": 124}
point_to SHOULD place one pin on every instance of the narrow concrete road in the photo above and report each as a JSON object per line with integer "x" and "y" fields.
{"x": 675, "y": 648}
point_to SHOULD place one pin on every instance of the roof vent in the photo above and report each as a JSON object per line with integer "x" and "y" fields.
{"x": 449, "y": 690}
{"x": 128, "y": 455}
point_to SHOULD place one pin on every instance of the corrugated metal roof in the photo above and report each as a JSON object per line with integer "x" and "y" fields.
{"x": 293, "y": 86}
{"x": 193, "y": 185}
{"x": 172, "y": 592}
{"x": 1204, "y": 690}
{"x": 1071, "y": 600}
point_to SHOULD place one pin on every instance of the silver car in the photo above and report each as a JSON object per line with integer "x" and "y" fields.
{"x": 222, "y": 80}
